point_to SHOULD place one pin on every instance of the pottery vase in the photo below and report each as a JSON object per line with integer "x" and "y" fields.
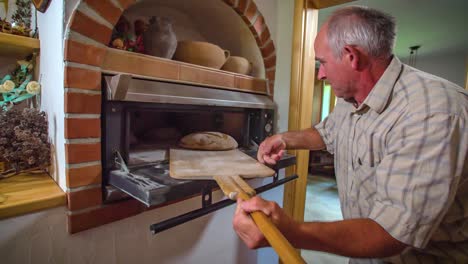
{"x": 201, "y": 53}
{"x": 159, "y": 39}
{"x": 238, "y": 65}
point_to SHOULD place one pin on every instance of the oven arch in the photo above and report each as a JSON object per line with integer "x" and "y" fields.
{"x": 86, "y": 38}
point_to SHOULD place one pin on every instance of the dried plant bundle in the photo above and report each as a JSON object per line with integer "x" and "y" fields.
{"x": 24, "y": 142}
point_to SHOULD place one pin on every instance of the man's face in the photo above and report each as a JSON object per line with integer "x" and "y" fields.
{"x": 335, "y": 70}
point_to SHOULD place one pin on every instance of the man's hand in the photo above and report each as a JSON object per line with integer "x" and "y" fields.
{"x": 246, "y": 228}
{"x": 271, "y": 149}
{"x": 357, "y": 238}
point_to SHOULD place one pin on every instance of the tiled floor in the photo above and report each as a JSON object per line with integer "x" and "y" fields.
{"x": 322, "y": 204}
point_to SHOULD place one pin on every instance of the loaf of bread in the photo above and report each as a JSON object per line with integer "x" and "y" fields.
{"x": 208, "y": 141}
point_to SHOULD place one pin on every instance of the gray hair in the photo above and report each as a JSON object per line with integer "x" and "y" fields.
{"x": 371, "y": 29}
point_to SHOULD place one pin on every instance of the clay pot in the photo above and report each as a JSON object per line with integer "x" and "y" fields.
{"x": 159, "y": 39}
{"x": 238, "y": 65}
{"x": 201, "y": 53}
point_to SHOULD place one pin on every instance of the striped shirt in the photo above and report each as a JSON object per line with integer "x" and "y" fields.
{"x": 401, "y": 160}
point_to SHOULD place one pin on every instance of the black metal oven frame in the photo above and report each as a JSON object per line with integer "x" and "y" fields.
{"x": 150, "y": 183}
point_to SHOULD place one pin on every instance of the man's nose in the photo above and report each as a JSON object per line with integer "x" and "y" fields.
{"x": 321, "y": 73}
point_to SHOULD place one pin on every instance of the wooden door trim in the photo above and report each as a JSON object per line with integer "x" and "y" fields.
{"x": 301, "y": 93}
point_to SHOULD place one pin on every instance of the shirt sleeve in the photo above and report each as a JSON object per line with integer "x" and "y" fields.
{"x": 418, "y": 177}
{"x": 327, "y": 130}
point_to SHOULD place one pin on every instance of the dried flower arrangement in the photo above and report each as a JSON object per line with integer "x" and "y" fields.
{"x": 21, "y": 19}
{"x": 18, "y": 86}
{"x": 24, "y": 142}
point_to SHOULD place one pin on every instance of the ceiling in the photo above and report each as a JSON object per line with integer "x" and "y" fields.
{"x": 440, "y": 27}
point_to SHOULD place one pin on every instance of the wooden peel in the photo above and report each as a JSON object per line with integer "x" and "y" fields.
{"x": 232, "y": 189}
{"x": 228, "y": 168}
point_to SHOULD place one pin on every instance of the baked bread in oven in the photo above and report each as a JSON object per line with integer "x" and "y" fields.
{"x": 208, "y": 141}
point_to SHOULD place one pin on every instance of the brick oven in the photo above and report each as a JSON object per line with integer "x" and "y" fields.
{"x": 88, "y": 60}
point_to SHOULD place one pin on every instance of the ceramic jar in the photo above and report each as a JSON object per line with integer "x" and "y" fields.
{"x": 159, "y": 39}
{"x": 201, "y": 53}
{"x": 238, "y": 65}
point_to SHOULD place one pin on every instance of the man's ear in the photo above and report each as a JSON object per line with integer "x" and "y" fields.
{"x": 353, "y": 56}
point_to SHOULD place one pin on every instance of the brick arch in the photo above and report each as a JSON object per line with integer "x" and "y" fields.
{"x": 87, "y": 35}
{"x": 95, "y": 19}
{"x": 250, "y": 14}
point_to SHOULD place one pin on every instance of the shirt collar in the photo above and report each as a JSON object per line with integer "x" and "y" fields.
{"x": 379, "y": 96}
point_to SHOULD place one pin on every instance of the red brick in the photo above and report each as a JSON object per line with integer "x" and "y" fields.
{"x": 270, "y": 62}
{"x": 257, "y": 39}
{"x": 82, "y": 78}
{"x": 106, "y": 9}
{"x": 80, "y": 103}
{"x": 77, "y": 177}
{"x": 90, "y": 28}
{"x": 268, "y": 50}
{"x": 230, "y": 2}
{"x": 250, "y": 84}
{"x": 82, "y": 128}
{"x": 265, "y": 36}
{"x": 126, "y": 3}
{"x": 270, "y": 74}
{"x": 251, "y": 11}
{"x": 84, "y": 53}
{"x": 84, "y": 152}
{"x": 84, "y": 199}
{"x": 246, "y": 20}
{"x": 259, "y": 25}
{"x": 271, "y": 88}
{"x": 241, "y": 6}
{"x": 103, "y": 215}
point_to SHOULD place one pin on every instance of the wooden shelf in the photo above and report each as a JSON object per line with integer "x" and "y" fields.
{"x": 145, "y": 66}
{"x": 25, "y": 193}
{"x": 17, "y": 46}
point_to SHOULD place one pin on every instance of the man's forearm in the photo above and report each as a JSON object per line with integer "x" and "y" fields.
{"x": 361, "y": 238}
{"x": 305, "y": 139}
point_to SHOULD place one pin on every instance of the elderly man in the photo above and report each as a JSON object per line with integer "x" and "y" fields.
{"x": 400, "y": 140}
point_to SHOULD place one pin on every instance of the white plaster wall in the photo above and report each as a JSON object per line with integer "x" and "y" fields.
{"x": 450, "y": 66}
{"x": 42, "y": 238}
{"x": 283, "y": 33}
{"x": 51, "y": 77}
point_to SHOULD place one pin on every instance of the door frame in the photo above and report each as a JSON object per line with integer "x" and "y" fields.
{"x": 305, "y": 28}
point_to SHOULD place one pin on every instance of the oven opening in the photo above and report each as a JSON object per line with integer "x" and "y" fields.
{"x": 152, "y": 133}
{"x": 143, "y": 119}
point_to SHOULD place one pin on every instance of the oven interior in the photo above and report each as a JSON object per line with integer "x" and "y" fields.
{"x": 152, "y": 132}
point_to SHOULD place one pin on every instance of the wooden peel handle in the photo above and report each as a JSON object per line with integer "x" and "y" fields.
{"x": 286, "y": 252}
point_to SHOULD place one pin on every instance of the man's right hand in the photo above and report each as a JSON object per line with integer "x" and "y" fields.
{"x": 271, "y": 149}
